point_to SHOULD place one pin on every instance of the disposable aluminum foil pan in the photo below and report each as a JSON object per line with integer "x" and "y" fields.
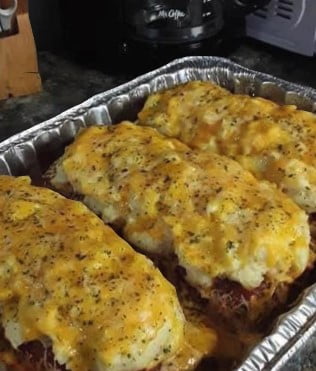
{"x": 32, "y": 151}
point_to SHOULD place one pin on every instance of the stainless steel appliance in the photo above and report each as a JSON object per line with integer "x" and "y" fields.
{"x": 289, "y": 24}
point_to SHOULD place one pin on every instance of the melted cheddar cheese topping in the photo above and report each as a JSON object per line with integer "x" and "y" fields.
{"x": 274, "y": 142}
{"x": 214, "y": 215}
{"x": 66, "y": 277}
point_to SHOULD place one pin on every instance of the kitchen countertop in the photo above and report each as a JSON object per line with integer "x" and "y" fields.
{"x": 66, "y": 84}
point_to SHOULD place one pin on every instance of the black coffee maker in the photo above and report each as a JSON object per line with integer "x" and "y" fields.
{"x": 138, "y": 35}
{"x": 160, "y": 30}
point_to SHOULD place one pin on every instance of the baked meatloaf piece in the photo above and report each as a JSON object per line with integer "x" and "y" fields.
{"x": 240, "y": 241}
{"x": 274, "y": 142}
{"x": 70, "y": 282}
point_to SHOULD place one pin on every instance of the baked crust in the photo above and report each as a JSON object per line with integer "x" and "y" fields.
{"x": 274, "y": 142}
{"x": 219, "y": 221}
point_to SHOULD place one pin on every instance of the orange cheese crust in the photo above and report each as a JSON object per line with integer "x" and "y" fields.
{"x": 69, "y": 279}
{"x": 215, "y": 216}
{"x": 274, "y": 142}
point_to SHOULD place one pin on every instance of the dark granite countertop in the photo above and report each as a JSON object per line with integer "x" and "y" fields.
{"x": 66, "y": 84}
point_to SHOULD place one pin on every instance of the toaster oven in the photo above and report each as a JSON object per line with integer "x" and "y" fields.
{"x": 289, "y": 24}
